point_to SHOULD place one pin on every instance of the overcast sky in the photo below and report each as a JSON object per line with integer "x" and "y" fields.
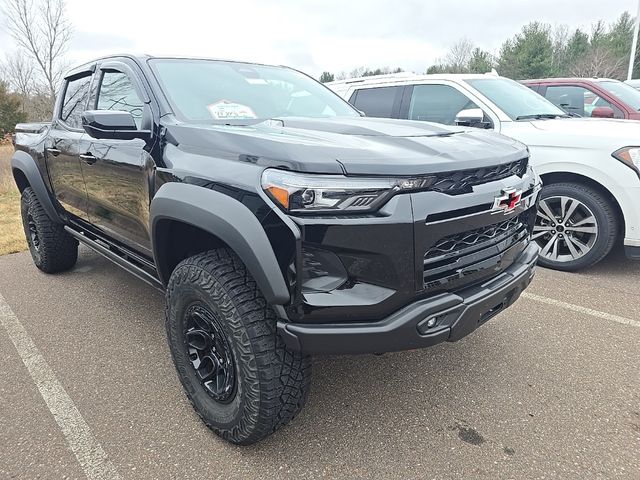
{"x": 314, "y": 35}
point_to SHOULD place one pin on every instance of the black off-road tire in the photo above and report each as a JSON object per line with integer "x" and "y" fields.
{"x": 53, "y": 250}
{"x": 271, "y": 382}
{"x": 607, "y": 218}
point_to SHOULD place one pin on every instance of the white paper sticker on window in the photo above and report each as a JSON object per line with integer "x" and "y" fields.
{"x": 225, "y": 110}
{"x": 256, "y": 81}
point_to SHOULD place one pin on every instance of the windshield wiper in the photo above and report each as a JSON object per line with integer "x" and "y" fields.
{"x": 538, "y": 116}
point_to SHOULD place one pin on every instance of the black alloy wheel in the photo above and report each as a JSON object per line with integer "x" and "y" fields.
{"x": 210, "y": 354}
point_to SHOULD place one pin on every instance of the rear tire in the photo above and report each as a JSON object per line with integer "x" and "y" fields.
{"x": 53, "y": 250}
{"x": 235, "y": 369}
{"x": 576, "y": 226}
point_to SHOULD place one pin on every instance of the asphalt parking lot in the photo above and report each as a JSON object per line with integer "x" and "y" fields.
{"x": 549, "y": 389}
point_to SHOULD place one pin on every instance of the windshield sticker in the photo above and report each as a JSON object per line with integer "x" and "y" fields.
{"x": 256, "y": 81}
{"x": 226, "y": 110}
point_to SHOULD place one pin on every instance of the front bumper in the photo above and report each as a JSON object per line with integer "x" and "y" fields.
{"x": 456, "y": 315}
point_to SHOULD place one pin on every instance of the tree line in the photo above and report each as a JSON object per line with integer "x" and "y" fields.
{"x": 539, "y": 50}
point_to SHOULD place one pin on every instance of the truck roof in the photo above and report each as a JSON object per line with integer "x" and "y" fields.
{"x": 142, "y": 58}
{"x": 409, "y": 77}
{"x": 568, "y": 80}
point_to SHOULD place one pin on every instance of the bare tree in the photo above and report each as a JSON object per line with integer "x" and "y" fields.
{"x": 40, "y": 28}
{"x": 18, "y": 72}
{"x": 559, "y": 39}
{"x": 599, "y": 62}
{"x": 459, "y": 56}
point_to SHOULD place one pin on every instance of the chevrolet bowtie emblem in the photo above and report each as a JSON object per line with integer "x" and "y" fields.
{"x": 508, "y": 201}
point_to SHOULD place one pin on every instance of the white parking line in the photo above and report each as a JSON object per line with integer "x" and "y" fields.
{"x": 88, "y": 452}
{"x": 579, "y": 309}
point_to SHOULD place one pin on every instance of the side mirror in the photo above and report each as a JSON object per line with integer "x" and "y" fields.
{"x": 112, "y": 124}
{"x": 602, "y": 112}
{"x": 472, "y": 117}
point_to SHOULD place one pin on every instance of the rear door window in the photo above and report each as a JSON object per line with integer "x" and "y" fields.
{"x": 378, "y": 102}
{"x": 74, "y": 103}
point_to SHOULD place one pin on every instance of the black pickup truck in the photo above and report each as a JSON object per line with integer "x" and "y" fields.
{"x": 279, "y": 221}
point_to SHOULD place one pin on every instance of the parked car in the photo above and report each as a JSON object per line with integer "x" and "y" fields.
{"x": 590, "y": 167}
{"x": 590, "y": 97}
{"x": 279, "y": 222}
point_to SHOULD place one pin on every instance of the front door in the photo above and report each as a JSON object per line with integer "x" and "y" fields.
{"x": 579, "y": 100}
{"x": 119, "y": 173}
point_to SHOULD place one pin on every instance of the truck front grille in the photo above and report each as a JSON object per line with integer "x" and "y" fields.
{"x": 473, "y": 255}
{"x": 454, "y": 183}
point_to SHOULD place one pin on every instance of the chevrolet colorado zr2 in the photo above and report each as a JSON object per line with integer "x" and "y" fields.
{"x": 279, "y": 222}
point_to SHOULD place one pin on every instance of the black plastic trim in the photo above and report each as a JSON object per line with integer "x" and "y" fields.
{"x": 117, "y": 259}
{"x": 457, "y": 315}
{"x": 227, "y": 219}
{"x": 632, "y": 253}
{"x": 23, "y": 162}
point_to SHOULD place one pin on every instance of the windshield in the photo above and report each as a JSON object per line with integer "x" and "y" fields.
{"x": 624, "y": 92}
{"x": 514, "y": 99}
{"x": 241, "y": 93}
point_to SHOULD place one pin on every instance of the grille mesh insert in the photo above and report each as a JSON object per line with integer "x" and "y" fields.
{"x": 461, "y": 181}
{"x": 470, "y": 255}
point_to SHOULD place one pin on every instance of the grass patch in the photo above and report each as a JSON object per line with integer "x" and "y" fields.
{"x": 11, "y": 233}
{"x": 6, "y": 177}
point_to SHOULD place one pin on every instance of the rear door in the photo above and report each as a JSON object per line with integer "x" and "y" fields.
{"x": 62, "y": 145}
{"x": 119, "y": 173}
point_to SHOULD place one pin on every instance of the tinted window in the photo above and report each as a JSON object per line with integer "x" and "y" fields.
{"x": 574, "y": 99}
{"x": 117, "y": 93}
{"x": 378, "y": 102}
{"x": 437, "y": 103}
{"x": 75, "y": 101}
{"x": 243, "y": 93}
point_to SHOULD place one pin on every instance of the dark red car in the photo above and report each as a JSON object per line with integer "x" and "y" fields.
{"x": 590, "y": 97}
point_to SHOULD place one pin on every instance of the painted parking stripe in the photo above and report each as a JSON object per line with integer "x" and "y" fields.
{"x": 579, "y": 309}
{"x": 90, "y": 455}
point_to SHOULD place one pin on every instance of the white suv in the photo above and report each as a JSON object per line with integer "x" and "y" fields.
{"x": 590, "y": 166}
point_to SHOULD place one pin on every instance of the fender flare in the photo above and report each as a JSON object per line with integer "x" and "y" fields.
{"x": 23, "y": 162}
{"x": 227, "y": 219}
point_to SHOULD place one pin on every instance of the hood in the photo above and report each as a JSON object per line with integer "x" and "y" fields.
{"x": 353, "y": 145}
{"x": 584, "y": 133}
{"x": 590, "y": 126}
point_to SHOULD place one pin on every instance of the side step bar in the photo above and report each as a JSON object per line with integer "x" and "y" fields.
{"x": 117, "y": 259}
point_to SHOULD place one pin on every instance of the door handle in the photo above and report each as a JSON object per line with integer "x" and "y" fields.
{"x": 89, "y": 158}
{"x": 53, "y": 151}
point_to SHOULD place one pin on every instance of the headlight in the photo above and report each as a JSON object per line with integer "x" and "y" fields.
{"x": 296, "y": 192}
{"x": 629, "y": 156}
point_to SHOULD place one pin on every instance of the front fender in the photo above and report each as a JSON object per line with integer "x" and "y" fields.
{"x": 23, "y": 162}
{"x": 227, "y": 219}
